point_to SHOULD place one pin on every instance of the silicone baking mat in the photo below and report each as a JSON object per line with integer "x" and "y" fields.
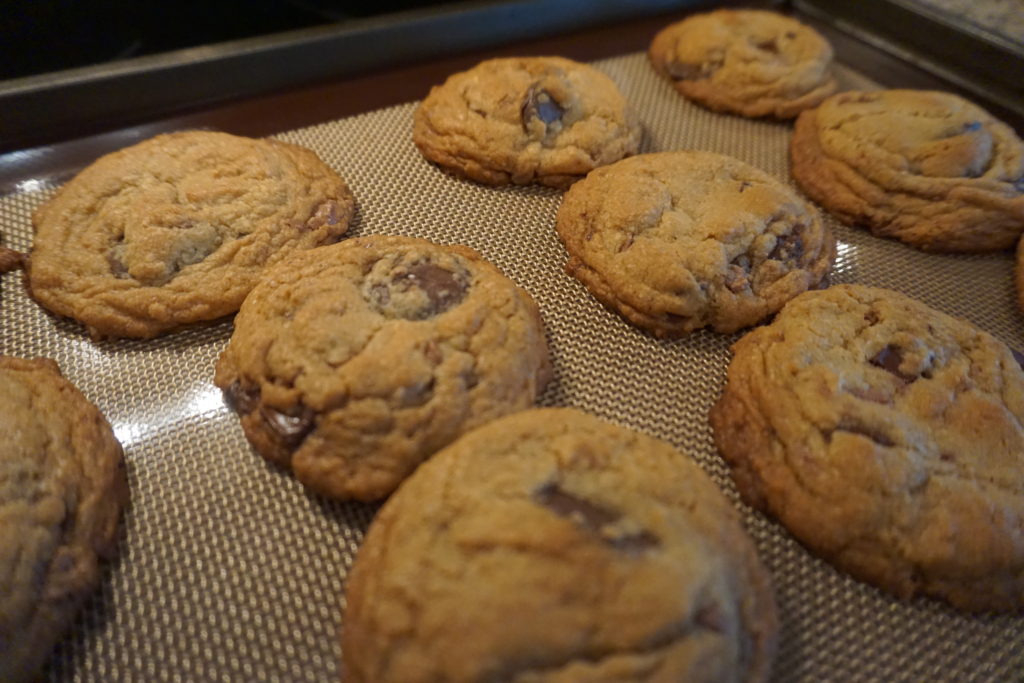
{"x": 230, "y": 571}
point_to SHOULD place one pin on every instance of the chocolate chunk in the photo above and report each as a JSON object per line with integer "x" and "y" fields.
{"x": 871, "y": 317}
{"x": 972, "y": 126}
{"x": 679, "y": 71}
{"x": 855, "y": 426}
{"x": 539, "y": 104}
{"x": 416, "y": 395}
{"x": 627, "y": 244}
{"x": 791, "y": 34}
{"x": 1019, "y": 357}
{"x": 711, "y": 617}
{"x": 242, "y": 401}
{"x": 744, "y": 185}
{"x": 10, "y": 259}
{"x": 592, "y": 517}
{"x": 889, "y": 359}
{"x": 326, "y": 214}
{"x": 947, "y": 457}
{"x": 789, "y": 248}
{"x": 290, "y": 429}
{"x": 768, "y": 46}
{"x": 439, "y": 284}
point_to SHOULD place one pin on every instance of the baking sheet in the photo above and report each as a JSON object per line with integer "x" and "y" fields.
{"x": 230, "y": 571}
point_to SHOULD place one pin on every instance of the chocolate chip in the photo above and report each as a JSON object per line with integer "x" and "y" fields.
{"x": 470, "y": 379}
{"x": 744, "y": 185}
{"x": 10, "y": 259}
{"x": 791, "y": 34}
{"x": 789, "y": 248}
{"x": 242, "y": 401}
{"x": 439, "y": 284}
{"x": 538, "y": 104}
{"x": 326, "y": 214}
{"x": 290, "y": 429}
{"x": 416, "y": 395}
{"x": 871, "y": 317}
{"x": 855, "y": 426}
{"x": 627, "y": 244}
{"x": 1019, "y": 357}
{"x": 592, "y": 517}
{"x": 947, "y": 457}
{"x": 679, "y": 71}
{"x": 115, "y": 259}
{"x": 768, "y": 46}
{"x": 711, "y": 617}
{"x": 889, "y": 359}
{"x": 972, "y": 126}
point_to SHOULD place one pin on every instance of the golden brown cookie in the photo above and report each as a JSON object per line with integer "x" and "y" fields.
{"x": 549, "y": 546}
{"x": 927, "y": 168}
{"x": 352, "y": 363}
{"x": 889, "y": 438}
{"x": 62, "y": 487}
{"x": 1020, "y": 273}
{"x": 177, "y": 229}
{"x": 545, "y": 120}
{"x": 677, "y": 241}
{"x": 747, "y": 62}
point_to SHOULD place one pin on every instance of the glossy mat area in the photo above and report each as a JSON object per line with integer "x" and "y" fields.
{"x": 231, "y": 571}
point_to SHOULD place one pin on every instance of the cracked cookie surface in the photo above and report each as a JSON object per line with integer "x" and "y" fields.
{"x": 545, "y": 120}
{"x": 352, "y": 363}
{"x": 551, "y": 546}
{"x": 888, "y": 438}
{"x": 176, "y": 229}
{"x": 677, "y": 241}
{"x": 748, "y": 62}
{"x": 927, "y": 168}
{"x": 62, "y": 488}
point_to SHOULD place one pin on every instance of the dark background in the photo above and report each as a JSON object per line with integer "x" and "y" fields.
{"x": 39, "y": 36}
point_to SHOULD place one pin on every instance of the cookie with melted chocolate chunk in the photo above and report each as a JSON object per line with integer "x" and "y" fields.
{"x": 551, "y": 546}
{"x": 888, "y": 438}
{"x": 177, "y": 229}
{"x": 748, "y": 62}
{"x": 545, "y": 120}
{"x": 927, "y": 168}
{"x": 677, "y": 241}
{"x": 351, "y": 364}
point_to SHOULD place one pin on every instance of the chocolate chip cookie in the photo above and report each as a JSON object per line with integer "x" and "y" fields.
{"x": 545, "y": 120}
{"x": 62, "y": 487}
{"x": 351, "y": 364}
{"x": 927, "y": 168}
{"x": 887, "y": 437}
{"x": 551, "y": 546}
{"x": 176, "y": 229}
{"x": 747, "y": 62}
{"x": 677, "y": 241}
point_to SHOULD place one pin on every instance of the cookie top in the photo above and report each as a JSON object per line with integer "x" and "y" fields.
{"x": 176, "y": 229}
{"x": 887, "y": 437}
{"x": 677, "y": 241}
{"x": 62, "y": 487}
{"x": 551, "y": 546}
{"x": 353, "y": 363}
{"x": 927, "y": 168}
{"x": 1019, "y": 273}
{"x": 747, "y": 62}
{"x": 545, "y": 120}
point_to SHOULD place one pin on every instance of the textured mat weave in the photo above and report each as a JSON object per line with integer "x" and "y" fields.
{"x": 231, "y": 572}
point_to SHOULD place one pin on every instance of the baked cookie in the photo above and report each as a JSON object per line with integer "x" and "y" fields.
{"x": 747, "y": 62}
{"x": 927, "y": 168}
{"x": 62, "y": 487}
{"x": 550, "y": 546}
{"x": 1020, "y": 273}
{"x": 677, "y": 241}
{"x": 353, "y": 363}
{"x": 545, "y": 120}
{"x": 176, "y": 229}
{"x": 887, "y": 437}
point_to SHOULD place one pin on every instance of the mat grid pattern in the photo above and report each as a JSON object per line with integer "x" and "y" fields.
{"x": 230, "y": 571}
